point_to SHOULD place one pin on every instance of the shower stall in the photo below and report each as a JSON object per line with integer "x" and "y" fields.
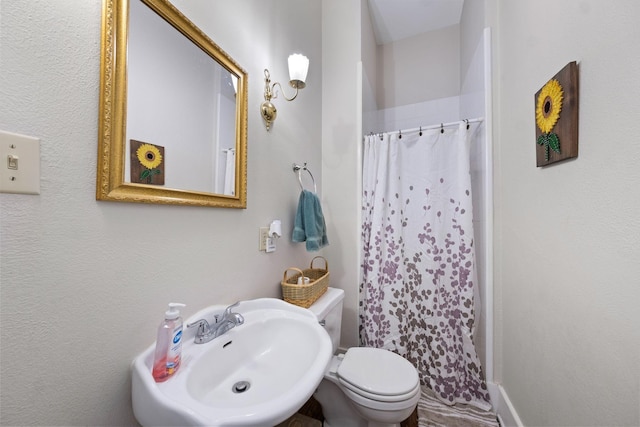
{"x": 473, "y": 101}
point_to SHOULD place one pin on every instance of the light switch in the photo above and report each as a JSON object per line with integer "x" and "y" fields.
{"x": 19, "y": 163}
{"x": 12, "y": 162}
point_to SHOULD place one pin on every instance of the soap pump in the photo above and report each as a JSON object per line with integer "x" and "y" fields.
{"x": 167, "y": 356}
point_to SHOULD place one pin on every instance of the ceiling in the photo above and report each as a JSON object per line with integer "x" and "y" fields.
{"x": 395, "y": 20}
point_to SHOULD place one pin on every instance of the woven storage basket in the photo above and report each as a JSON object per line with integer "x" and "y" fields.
{"x": 305, "y": 294}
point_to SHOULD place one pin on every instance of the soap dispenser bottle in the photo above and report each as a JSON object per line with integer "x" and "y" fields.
{"x": 167, "y": 356}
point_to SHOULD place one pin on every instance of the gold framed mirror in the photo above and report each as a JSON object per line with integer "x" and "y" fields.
{"x": 173, "y": 111}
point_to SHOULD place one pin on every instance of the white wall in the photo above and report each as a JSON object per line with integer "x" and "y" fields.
{"x": 340, "y": 146}
{"x": 412, "y": 116}
{"x": 472, "y": 25}
{"x": 419, "y": 68}
{"x": 83, "y": 284}
{"x": 567, "y": 235}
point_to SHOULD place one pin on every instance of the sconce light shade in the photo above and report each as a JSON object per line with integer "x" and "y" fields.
{"x": 298, "y": 68}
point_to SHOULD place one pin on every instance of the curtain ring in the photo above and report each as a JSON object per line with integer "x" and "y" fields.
{"x": 441, "y": 127}
{"x": 467, "y": 120}
{"x": 400, "y": 134}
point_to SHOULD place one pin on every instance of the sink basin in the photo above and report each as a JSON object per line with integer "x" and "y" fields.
{"x": 257, "y": 374}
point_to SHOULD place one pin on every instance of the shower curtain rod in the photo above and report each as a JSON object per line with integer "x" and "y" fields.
{"x": 440, "y": 126}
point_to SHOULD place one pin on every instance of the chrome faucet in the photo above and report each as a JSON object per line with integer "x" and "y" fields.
{"x": 207, "y": 332}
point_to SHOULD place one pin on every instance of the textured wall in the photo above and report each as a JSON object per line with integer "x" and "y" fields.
{"x": 427, "y": 65}
{"x": 340, "y": 165}
{"x": 567, "y": 235}
{"x": 83, "y": 284}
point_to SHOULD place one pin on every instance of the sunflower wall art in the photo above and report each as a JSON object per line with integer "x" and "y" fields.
{"x": 557, "y": 117}
{"x": 147, "y": 163}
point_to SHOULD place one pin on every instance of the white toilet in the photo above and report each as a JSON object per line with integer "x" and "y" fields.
{"x": 364, "y": 387}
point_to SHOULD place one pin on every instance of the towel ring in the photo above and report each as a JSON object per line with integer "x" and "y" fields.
{"x": 298, "y": 169}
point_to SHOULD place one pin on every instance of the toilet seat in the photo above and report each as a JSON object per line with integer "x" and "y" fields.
{"x": 378, "y": 397}
{"x": 379, "y": 375}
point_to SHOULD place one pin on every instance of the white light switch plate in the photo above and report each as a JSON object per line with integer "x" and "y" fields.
{"x": 19, "y": 163}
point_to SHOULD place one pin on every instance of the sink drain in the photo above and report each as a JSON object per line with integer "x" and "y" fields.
{"x": 241, "y": 386}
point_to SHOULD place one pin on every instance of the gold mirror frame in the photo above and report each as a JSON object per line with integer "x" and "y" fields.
{"x": 110, "y": 183}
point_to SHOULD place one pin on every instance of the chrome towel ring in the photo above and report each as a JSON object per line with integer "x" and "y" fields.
{"x": 299, "y": 169}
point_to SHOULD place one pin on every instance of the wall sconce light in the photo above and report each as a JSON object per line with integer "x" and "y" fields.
{"x": 298, "y": 67}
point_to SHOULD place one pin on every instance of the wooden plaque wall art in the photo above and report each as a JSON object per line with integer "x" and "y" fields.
{"x": 557, "y": 117}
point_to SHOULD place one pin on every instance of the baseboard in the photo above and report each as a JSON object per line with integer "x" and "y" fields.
{"x": 505, "y": 411}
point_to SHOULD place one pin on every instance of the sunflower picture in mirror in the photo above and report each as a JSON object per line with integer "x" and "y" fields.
{"x": 556, "y": 114}
{"x": 147, "y": 163}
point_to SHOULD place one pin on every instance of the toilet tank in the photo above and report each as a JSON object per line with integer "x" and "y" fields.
{"x": 328, "y": 308}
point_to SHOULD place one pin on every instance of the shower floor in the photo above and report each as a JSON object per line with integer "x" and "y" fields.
{"x": 433, "y": 413}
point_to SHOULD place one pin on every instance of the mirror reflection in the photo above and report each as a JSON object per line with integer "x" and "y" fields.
{"x": 182, "y": 100}
{"x": 183, "y": 110}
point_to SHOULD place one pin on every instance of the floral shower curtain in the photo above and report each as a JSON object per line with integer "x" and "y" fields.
{"x": 418, "y": 277}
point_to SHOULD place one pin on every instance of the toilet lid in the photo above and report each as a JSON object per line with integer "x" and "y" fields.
{"x": 377, "y": 372}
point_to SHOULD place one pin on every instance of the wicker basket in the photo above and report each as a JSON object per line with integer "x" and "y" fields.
{"x": 305, "y": 294}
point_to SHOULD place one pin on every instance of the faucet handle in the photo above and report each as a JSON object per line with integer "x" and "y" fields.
{"x": 238, "y": 319}
{"x": 203, "y": 327}
{"x": 227, "y": 310}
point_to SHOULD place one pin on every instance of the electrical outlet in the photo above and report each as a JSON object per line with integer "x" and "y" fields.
{"x": 264, "y": 235}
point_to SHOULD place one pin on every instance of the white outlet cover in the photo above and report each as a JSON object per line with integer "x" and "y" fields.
{"x": 264, "y": 234}
{"x": 19, "y": 163}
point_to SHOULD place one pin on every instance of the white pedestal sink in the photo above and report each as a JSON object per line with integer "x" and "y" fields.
{"x": 257, "y": 374}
